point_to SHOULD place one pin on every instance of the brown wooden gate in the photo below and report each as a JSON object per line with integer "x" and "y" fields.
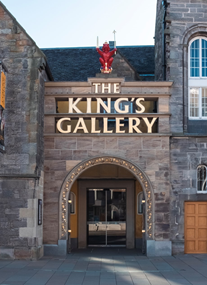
{"x": 195, "y": 227}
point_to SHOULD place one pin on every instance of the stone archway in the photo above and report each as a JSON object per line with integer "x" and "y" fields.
{"x": 86, "y": 164}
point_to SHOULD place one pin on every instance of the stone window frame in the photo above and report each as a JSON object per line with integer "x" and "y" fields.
{"x": 204, "y": 175}
{"x": 197, "y": 30}
{"x": 196, "y": 82}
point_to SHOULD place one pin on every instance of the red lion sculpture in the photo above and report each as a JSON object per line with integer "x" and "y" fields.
{"x": 106, "y": 58}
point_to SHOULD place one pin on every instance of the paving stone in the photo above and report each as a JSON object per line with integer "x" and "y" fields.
{"x": 108, "y": 282}
{"x": 179, "y": 281}
{"x": 13, "y": 283}
{"x": 142, "y": 282}
{"x": 40, "y": 278}
{"x": 107, "y": 275}
{"x": 52, "y": 271}
{"x": 58, "y": 278}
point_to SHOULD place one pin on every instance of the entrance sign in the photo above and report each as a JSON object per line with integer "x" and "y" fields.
{"x": 106, "y": 105}
{"x": 110, "y": 88}
{"x": 106, "y": 108}
{"x": 133, "y": 124}
{"x": 105, "y": 117}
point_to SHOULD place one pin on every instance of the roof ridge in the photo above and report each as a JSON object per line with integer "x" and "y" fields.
{"x": 93, "y": 47}
{"x": 20, "y": 26}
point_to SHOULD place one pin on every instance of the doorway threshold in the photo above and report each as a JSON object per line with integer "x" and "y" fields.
{"x": 107, "y": 251}
{"x": 105, "y": 246}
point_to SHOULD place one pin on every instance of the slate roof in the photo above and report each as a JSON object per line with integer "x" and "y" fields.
{"x": 77, "y": 64}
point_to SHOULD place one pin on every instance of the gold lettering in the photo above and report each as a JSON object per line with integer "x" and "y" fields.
{"x": 149, "y": 125}
{"x": 72, "y": 106}
{"x": 134, "y": 127}
{"x": 139, "y": 105}
{"x": 96, "y": 86}
{"x": 108, "y": 88}
{"x": 59, "y": 126}
{"x": 81, "y": 126}
{"x": 116, "y": 106}
{"x": 105, "y": 126}
{"x": 116, "y": 88}
{"x": 100, "y": 102}
{"x": 93, "y": 126}
{"x": 118, "y": 125}
{"x": 88, "y": 111}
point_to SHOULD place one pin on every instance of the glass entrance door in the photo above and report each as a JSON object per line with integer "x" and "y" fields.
{"x": 106, "y": 217}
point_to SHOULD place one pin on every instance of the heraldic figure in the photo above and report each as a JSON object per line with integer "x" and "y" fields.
{"x": 106, "y": 58}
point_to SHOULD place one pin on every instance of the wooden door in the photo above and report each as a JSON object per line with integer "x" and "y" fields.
{"x": 195, "y": 227}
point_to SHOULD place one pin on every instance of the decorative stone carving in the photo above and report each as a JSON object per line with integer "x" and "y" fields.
{"x": 81, "y": 167}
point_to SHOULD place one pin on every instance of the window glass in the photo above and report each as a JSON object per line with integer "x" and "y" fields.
{"x": 201, "y": 178}
{"x": 194, "y": 102}
{"x": 194, "y": 59}
{"x": 204, "y": 58}
{"x": 198, "y": 79}
{"x": 204, "y": 102}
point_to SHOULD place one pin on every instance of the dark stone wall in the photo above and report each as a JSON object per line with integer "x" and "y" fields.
{"x": 123, "y": 69}
{"x": 24, "y": 92}
{"x": 14, "y": 196}
{"x": 186, "y": 154}
{"x": 158, "y": 42}
{"x": 181, "y": 17}
{"x": 185, "y": 19}
{"x": 21, "y": 163}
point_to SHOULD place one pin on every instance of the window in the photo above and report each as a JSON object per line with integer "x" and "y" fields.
{"x": 198, "y": 78}
{"x": 201, "y": 178}
{"x": 139, "y": 203}
{"x": 73, "y": 203}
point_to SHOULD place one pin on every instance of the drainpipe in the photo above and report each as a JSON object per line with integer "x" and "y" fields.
{"x": 164, "y": 4}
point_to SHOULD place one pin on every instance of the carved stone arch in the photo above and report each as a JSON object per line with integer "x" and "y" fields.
{"x": 192, "y": 32}
{"x": 86, "y": 164}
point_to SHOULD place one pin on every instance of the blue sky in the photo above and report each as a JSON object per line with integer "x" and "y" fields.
{"x": 77, "y": 23}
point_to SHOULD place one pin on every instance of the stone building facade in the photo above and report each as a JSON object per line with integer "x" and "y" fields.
{"x": 184, "y": 22}
{"x": 102, "y": 176}
{"x": 21, "y": 158}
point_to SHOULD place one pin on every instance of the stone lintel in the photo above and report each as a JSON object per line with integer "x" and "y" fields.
{"x": 106, "y": 78}
{"x": 110, "y": 80}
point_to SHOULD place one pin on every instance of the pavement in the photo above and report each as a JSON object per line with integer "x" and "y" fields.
{"x": 106, "y": 267}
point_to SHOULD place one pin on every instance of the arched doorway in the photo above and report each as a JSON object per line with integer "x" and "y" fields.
{"x": 83, "y": 167}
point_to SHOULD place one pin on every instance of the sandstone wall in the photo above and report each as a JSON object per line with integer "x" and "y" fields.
{"x": 62, "y": 153}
